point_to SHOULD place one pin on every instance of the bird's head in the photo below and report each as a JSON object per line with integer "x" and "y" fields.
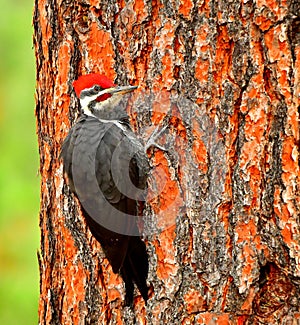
{"x": 98, "y": 93}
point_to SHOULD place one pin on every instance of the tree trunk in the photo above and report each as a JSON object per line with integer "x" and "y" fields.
{"x": 222, "y": 230}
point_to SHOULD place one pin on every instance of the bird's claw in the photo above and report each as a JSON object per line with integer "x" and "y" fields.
{"x": 151, "y": 142}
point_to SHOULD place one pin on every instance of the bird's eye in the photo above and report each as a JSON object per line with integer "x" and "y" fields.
{"x": 97, "y": 88}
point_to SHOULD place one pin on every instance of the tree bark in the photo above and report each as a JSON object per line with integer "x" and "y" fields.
{"x": 223, "y": 234}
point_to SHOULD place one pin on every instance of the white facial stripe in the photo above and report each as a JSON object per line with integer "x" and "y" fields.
{"x": 117, "y": 123}
{"x": 86, "y": 109}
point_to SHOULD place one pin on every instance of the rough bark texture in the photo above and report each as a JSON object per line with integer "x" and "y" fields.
{"x": 223, "y": 235}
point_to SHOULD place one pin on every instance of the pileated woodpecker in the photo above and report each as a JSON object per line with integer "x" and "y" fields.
{"x": 107, "y": 169}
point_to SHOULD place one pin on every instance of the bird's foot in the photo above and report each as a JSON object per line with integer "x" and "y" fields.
{"x": 155, "y": 135}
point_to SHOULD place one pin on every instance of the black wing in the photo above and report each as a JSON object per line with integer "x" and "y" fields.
{"x": 96, "y": 157}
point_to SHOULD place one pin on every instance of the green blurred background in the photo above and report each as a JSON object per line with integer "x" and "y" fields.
{"x": 19, "y": 181}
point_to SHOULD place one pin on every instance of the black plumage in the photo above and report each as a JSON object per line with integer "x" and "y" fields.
{"x": 100, "y": 158}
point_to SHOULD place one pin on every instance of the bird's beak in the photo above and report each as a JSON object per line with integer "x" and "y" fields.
{"x": 120, "y": 90}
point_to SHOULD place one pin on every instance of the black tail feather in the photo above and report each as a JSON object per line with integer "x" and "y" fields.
{"x": 135, "y": 269}
{"x": 129, "y": 287}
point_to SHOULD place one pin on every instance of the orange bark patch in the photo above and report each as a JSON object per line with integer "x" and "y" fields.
{"x": 248, "y": 265}
{"x": 140, "y": 10}
{"x": 74, "y": 279}
{"x": 279, "y": 52}
{"x": 263, "y": 22}
{"x": 114, "y": 283}
{"x": 248, "y": 154}
{"x": 160, "y": 106}
{"x": 224, "y": 49}
{"x": 164, "y": 39}
{"x": 251, "y": 172}
{"x": 202, "y": 69}
{"x": 200, "y": 151}
{"x": 113, "y": 294}
{"x": 290, "y": 174}
{"x": 61, "y": 96}
{"x": 167, "y": 71}
{"x": 194, "y": 301}
{"x": 185, "y": 8}
{"x": 287, "y": 234}
{"x": 269, "y": 11}
{"x": 211, "y": 318}
{"x": 163, "y": 43}
{"x": 246, "y": 231}
{"x": 271, "y": 41}
{"x": 99, "y": 45}
{"x": 167, "y": 200}
{"x": 224, "y": 211}
{"x": 164, "y": 246}
{"x": 279, "y": 208}
{"x": 178, "y": 125}
{"x": 64, "y": 55}
{"x": 293, "y": 118}
{"x": 289, "y": 163}
{"x": 199, "y": 148}
{"x": 94, "y": 3}
{"x": 253, "y": 93}
{"x": 241, "y": 320}
{"x": 251, "y": 155}
{"x": 140, "y": 311}
{"x": 256, "y": 122}
{"x": 247, "y": 305}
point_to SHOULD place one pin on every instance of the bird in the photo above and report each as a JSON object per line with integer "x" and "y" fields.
{"x": 106, "y": 167}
